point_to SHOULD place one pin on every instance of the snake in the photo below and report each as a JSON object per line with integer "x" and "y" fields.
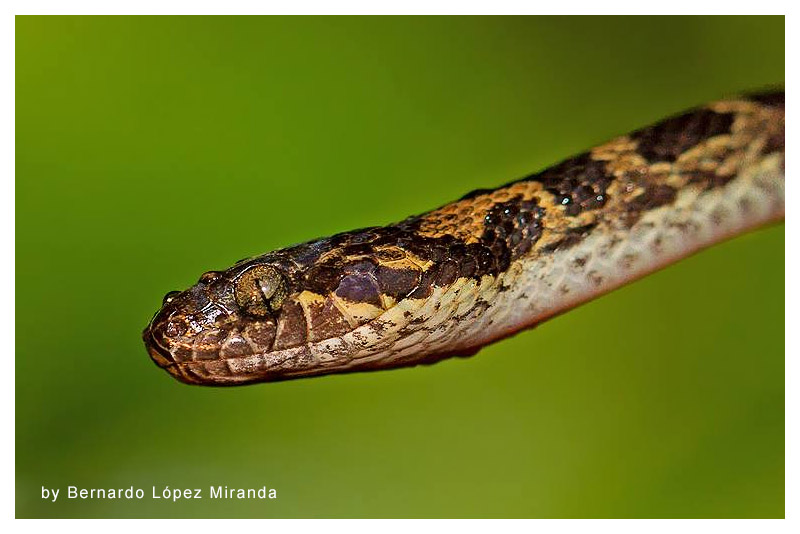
{"x": 497, "y": 261}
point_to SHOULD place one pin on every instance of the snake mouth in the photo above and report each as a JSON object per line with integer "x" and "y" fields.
{"x": 158, "y": 354}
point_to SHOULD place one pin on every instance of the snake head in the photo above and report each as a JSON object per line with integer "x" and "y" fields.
{"x": 226, "y": 316}
{"x": 331, "y": 305}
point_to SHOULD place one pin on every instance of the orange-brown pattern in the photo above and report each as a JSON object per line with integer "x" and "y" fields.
{"x": 496, "y": 261}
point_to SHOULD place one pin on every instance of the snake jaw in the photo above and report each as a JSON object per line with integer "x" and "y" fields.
{"x": 158, "y": 354}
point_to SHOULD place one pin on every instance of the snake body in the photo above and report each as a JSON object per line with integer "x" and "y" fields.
{"x": 449, "y": 281}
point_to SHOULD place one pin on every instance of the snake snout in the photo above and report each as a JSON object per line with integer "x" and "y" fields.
{"x": 158, "y": 353}
{"x": 164, "y": 337}
{"x": 192, "y": 325}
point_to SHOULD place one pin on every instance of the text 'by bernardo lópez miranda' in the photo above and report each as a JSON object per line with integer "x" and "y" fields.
{"x": 160, "y": 493}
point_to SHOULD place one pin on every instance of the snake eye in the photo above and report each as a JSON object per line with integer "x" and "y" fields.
{"x": 169, "y": 297}
{"x": 261, "y": 290}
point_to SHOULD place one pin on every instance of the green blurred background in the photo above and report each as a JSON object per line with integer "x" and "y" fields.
{"x": 149, "y": 150}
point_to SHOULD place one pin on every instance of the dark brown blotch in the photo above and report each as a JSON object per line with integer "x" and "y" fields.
{"x": 468, "y": 266}
{"x": 775, "y": 99}
{"x": 777, "y": 141}
{"x": 672, "y": 137}
{"x": 324, "y": 278}
{"x": 652, "y": 197}
{"x": 359, "y": 287}
{"x": 446, "y": 273}
{"x": 579, "y": 183}
{"x": 424, "y": 288}
{"x": 511, "y": 228}
{"x": 397, "y": 283}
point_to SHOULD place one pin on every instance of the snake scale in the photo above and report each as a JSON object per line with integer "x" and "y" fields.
{"x": 449, "y": 281}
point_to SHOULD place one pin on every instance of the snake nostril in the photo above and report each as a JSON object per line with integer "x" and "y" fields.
{"x": 169, "y": 297}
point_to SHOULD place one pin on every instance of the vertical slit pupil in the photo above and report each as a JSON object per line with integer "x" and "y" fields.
{"x": 260, "y": 287}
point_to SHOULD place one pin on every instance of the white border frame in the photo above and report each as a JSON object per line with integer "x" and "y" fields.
{"x": 7, "y": 489}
